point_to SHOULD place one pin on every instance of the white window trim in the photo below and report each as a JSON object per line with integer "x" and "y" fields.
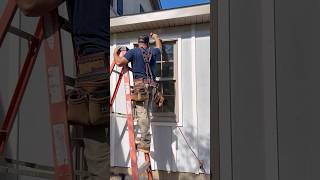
{"x": 178, "y": 39}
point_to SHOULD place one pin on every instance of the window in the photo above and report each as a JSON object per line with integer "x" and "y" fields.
{"x": 111, "y": 3}
{"x": 141, "y": 9}
{"x": 120, "y": 7}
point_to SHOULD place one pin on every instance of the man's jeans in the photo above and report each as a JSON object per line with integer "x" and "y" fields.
{"x": 143, "y": 119}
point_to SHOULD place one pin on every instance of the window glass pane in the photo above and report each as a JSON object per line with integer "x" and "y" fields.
{"x": 152, "y": 44}
{"x": 167, "y": 52}
{"x": 169, "y": 104}
{"x": 158, "y": 73}
{"x": 168, "y": 87}
{"x": 167, "y": 69}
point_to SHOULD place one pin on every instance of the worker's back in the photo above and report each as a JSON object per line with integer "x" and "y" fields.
{"x": 135, "y": 56}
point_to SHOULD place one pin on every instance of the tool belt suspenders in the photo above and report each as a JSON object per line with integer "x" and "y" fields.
{"x": 142, "y": 87}
{"x": 147, "y": 58}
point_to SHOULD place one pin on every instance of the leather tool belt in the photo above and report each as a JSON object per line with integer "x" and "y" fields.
{"x": 92, "y": 67}
{"x": 140, "y": 90}
{"x": 88, "y": 102}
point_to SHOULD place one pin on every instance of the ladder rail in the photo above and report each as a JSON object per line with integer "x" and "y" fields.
{"x": 60, "y": 131}
{"x": 133, "y": 152}
{"x": 7, "y": 18}
{"x": 49, "y": 31}
{"x": 135, "y": 171}
{"x": 21, "y": 86}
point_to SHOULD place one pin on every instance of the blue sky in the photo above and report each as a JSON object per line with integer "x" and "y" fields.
{"x": 167, "y": 4}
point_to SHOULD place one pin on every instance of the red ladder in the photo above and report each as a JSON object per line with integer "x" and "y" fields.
{"x": 48, "y": 31}
{"x": 146, "y": 166}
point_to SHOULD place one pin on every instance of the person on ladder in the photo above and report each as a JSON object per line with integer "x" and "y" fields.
{"x": 143, "y": 60}
{"x": 88, "y": 104}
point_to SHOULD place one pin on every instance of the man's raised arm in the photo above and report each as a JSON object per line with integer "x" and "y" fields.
{"x": 119, "y": 60}
{"x": 157, "y": 39}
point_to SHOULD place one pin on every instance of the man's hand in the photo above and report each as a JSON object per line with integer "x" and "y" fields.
{"x": 154, "y": 36}
{"x": 157, "y": 39}
{"x": 119, "y": 60}
{"x": 116, "y": 50}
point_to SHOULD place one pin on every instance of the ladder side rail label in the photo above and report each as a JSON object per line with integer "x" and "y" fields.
{"x": 58, "y": 116}
{"x": 21, "y": 86}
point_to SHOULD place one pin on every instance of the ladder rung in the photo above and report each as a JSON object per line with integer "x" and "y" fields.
{"x": 3, "y": 132}
{"x": 21, "y": 33}
{"x": 25, "y": 172}
{"x": 78, "y": 141}
{"x": 116, "y": 71}
{"x": 83, "y": 173}
{"x": 26, "y": 164}
{"x": 144, "y": 167}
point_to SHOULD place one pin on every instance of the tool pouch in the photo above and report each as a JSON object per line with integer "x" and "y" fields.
{"x": 158, "y": 99}
{"x": 77, "y": 110}
{"x": 140, "y": 91}
{"x": 88, "y": 103}
{"x": 93, "y": 85}
{"x": 92, "y": 67}
{"x": 99, "y": 110}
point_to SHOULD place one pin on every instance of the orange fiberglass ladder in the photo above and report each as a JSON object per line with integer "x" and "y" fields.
{"x": 146, "y": 166}
{"x": 48, "y": 32}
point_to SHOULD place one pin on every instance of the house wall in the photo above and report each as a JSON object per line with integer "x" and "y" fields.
{"x": 169, "y": 150}
{"x": 268, "y": 62}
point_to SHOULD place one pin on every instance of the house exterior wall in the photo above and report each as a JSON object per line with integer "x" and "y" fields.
{"x": 169, "y": 150}
{"x": 268, "y": 59}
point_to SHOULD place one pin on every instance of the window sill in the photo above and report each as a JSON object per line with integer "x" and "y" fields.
{"x": 167, "y": 124}
{"x": 165, "y": 121}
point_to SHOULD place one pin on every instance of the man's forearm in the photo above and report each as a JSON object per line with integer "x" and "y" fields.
{"x": 116, "y": 59}
{"x": 120, "y": 61}
{"x": 156, "y": 39}
{"x": 158, "y": 42}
